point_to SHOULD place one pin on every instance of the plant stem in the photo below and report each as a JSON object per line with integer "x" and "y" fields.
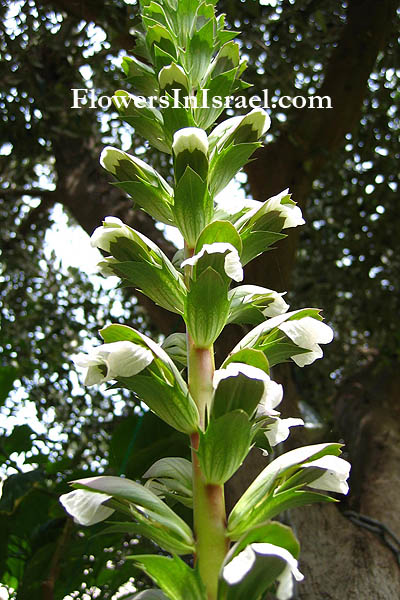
{"x": 208, "y": 500}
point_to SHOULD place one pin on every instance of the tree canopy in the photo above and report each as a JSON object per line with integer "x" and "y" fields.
{"x": 341, "y": 164}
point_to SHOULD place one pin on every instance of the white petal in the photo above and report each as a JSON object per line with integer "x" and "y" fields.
{"x": 233, "y": 369}
{"x": 239, "y": 566}
{"x": 273, "y": 392}
{"x": 86, "y": 507}
{"x": 232, "y": 265}
{"x": 126, "y": 359}
{"x": 232, "y": 206}
{"x": 307, "y": 333}
{"x": 292, "y": 214}
{"x": 96, "y": 375}
{"x": 279, "y": 430}
{"x": 277, "y": 307}
{"x": 334, "y": 479}
{"x": 285, "y": 588}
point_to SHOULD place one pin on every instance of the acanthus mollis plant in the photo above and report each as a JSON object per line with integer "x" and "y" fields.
{"x": 225, "y": 411}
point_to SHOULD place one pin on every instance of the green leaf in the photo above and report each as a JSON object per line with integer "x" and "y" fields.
{"x": 165, "y": 539}
{"x": 207, "y": 308}
{"x": 163, "y": 285}
{"x": 176, "y": 116}
{"x": 175, "y": 346}
{"x": 239, "y": 392}
{"x": 292, "y": 498}
{"x": 158, "y": 35}
{"x": 140, "y": 76}
{"x": 192, "y": 206}
{"x": 200, "y": 51}
{"x": 219, "y": 231}
{"x": 227, "y": 163}
{"x": 173, "y": 576}
{"x": 271, "y": 533}
{"x": 257, "y": 502}
{"x": 249, "y": 356}
{"x": 257, "y": 242}
{"x": 146, "y": 121}
{"x": 172, "y": 477}
{"x": 167, "y": 401}
{"x": 224, "y": 446}
{"x": 150, "y": 199}
{"x": 207, "y": 112}
{"x": 175, "y": 469}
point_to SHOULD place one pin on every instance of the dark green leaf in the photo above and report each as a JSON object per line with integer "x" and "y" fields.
{"x": 224, "y": 446}
{"x": 175, "y": 578}
{"x": 207, "y": 308}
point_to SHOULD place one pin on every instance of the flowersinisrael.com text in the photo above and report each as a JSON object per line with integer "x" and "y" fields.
{"x": 87, "y": 98}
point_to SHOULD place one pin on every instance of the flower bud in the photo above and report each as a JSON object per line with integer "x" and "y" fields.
{"x": 173, "y": 77}
{"x": 288, "y": 210}
{"x": 112, "y": 229}
{"x": 241, "y": 130}
{"x": 190, "y": 148}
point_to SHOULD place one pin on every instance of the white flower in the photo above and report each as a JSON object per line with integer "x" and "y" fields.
{"x": 86, "y": 507}
{"x": 117, "y": 359}
{"x": 290, "y": 211}
{"x": 173, "y": 74}
{"x": 334, "y": 479}
{"x": 273, "y": 392}
{"x": 246, "y": 294}
{"x": 232, "y": 265}
{"x": 242, "y": 564}
{"x": 279, "y": 430}
{"x": 307, "y": 333}
{"x": 112, "y": 229}
{"x": 190, "y": 139}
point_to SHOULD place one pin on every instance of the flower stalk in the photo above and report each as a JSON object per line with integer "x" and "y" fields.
{"x": 223, "y": 412}
{"x": 209, "y": 514}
